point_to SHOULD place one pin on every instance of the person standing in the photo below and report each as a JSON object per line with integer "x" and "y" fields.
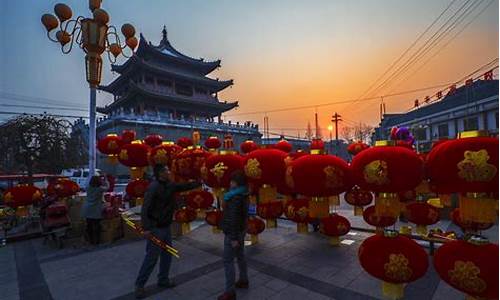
{"x": 156, "y": 216}
{"x": 92, "y": 208}
{"x": 234, "y": 226}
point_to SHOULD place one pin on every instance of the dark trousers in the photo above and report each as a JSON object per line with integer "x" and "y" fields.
{"x": 230, "y": 254}
{"x": 94, "y": 231}
{"x": 151, "y": 257}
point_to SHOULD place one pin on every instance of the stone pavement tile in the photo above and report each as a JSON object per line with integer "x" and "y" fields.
{"x": 445, "y": 291}
{"x": 294, "y": 292}
{"x": 277, "y": 285}
{"x": 367, "y": 285}
{"x": 9, "y": 289}
{"x": 256, "y": 292}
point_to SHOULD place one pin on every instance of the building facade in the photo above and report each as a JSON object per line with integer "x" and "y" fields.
{"x": 473, "y": 106}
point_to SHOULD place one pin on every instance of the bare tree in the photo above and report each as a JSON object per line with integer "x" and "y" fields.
{"x": 360, "y": 132}
{"x": 309, "y": 134}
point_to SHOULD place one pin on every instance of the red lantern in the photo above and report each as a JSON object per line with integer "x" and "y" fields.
{"x": 297, "y": 210}
{"x": 136, "y": 189}
{"x": 128, "y": 136}
{"x": 22, "y": 195}
{"x": 468, "y": 227}
{"x": 248, "y": 146}
{"x": 254, "y": 227}
{"x": 335, "y": 226}
{"x": 357, "y": 147}
{"x": 468, "y": 165}
{"x": 218, "y": 168}
{"x": 422, "y": 214}
{"x": 358, "y": 198}
{"x": 469, "y": 266}
{"x": 63, "y": 187}
{"x": 135, "y": 156}
{"x": 214, "y": 218}
{"x": 189, "y": 162}
{"x": 153, "y": 140}
{"x": 394, "y": 259}
{"x": 270, "y": 211}
{"x": 185, "y": 215}
{"x": 110, "y": 146}
{"x": 387, "y": 170}
{"x": 378, "y": 221}
{"x": 284, "y": 146}
{"x": 199, "y": 199}
{"x": 184, "y": 142}
{"x": 212, "y": 143}
{"x": 163, "y": 154}
{"x": 317, "y": 146}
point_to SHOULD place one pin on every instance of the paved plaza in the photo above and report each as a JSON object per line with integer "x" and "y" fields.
{"x": 283, "y": 265}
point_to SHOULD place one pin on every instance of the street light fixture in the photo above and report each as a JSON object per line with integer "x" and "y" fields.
{"x": 94, "y": 36}
{"x": 330, "y": 129}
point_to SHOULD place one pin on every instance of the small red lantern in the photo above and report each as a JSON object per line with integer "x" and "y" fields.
{"x": 317, "y": 146}
{"x": 212, "y": 143}
{"x": 335, "y": 226}
{"x": 248, "y": 146}
{"x": 136, "y": 189}
{"x": 135, "y": 156}
{"x": 214, "y": 218}
{"x": 199, "y": 199}
{"x": 184, "y": 142}
{"x": 297, "y": 210}
{"x": 270, "y": 211}
{"x": 378, "y": 221}
{"x": 422, "y": 214}
{"x": 153, "y": 140}
{"x": 394, "y": 259}
{"x": 128, "y": 136}
{"x": 468, "y": 226}
{"x": 357, "y": 147}
{"x": 22, "y": 195}
{"x": 163, "y": 154}
{"x": 254, "y": 227}
{"x": 185, "y": 215}
{"x": 63, "y": 187}
{"x": 358, "y": 198}
{"x": 469, "y": 266}
{"x": 110, "y": 146}
{"x": 284, "y": 146}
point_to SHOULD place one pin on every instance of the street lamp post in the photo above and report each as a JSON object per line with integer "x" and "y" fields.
{"x": 330, "y": 129}
{"x": 94, "y": 37}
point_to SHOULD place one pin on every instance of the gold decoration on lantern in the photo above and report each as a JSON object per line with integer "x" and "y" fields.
{"x": 475, "y": 167}
{"x": 465, "y": 275}
{"x": 397, "y": 267}
{"x": 218, "y": 170}
{"x": 333, "y": 177}
{"x": 252, "y": 168}
{"x": 123, "y": 154}
{"x": 376, "y": 172}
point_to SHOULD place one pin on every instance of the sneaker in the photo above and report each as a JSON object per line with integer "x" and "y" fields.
{"x": 140, "y": 293}
{"x": 227, "y": 296}
{"x": 169, "y": 284}
{"x": 241, "y": 284}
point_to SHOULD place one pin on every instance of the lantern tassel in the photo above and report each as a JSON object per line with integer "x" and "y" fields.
{"x": 139, "y": 201}
{"x": 387, "y": 205}
{"x": 421, "y": 230}
{"x": 136, "y": 172}
{"x": 112, "y": 159}
{"x": 185, "y": 228}
{"x": 302, "y": 228}
{"x": 271, "y": 223}
{"x": 267, "y": 193}
{"x": 477, "y": 207}
{"x": 358, "y": 210}
{"x": 254, "y": 239}
{"x": 393, "y": 291}
{"x": 216, "y": 230}
{"x": 335, "y": 241}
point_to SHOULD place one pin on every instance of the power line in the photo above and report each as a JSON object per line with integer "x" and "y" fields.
{"x": 44, "y": 107}
{"x": 36, "y": 100}
{"x": 42, "y": 114}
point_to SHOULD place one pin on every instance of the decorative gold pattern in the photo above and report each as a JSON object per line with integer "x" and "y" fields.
{"x": 288, "y": 177}
{"x": 376, "y": 172}
{"x": 161, "y": 156}
{"x": 252, "y": 168}
{"x": 475, "y": 166}
{"x": 333, "y": 177}
{"x": 124, "y": 154}
{"x": 397, "y": 268}
{"x": 8, "y": 197}
{"x": 218, "y": 170}
{"x": 465, "y": 275}
{"x": 341, "y": 227}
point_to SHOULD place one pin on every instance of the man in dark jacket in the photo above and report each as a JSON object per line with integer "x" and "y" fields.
{"x": 234, "y": 225}
{"x": 156, "y": 216}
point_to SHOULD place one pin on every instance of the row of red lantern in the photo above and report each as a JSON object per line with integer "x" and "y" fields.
{"x": 24, "y": 194}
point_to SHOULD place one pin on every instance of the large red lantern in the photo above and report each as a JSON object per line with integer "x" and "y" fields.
{"x": 163, "y": 154}
{"x": 212, "y": 143}
{"x": 110, "y": 145}
{"x": 63, "y": 187}
{"x": 189, "y": 162}
{"x": 270, "y": 211}
{"x": 297, "y": 210}
{"x": 469, "y": 166}
{"x": 136, "y": 189}
{"x": 128, "y": 136}
{"x": 357, "y": 147}
{"x": 468, "y": 226}
{"x": 469, "y": 266}
{"x": 217, "y": 169}
{"x": 335, "y": 226}
{"x": 380, "y": 222}
{"x": 422, "y": 214}
{"x": 22, "y": 195}
{"x": 284, "y": 146}
{"x": 199, "y": 199}
{"x": 214, "y": 218}
{"x": 358, "y": 198}
{"x": 394, "y": 259}
{"x": 135, "y": 156}
{"x": 153, "y": 140}
{"x": 254, "y": 227}
{"x": 387, "y": 170}
{"x": 185, "y": 215}
{"x": 248, "y": 146}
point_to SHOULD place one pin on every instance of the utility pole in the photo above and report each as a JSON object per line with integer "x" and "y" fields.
{"x": 336, "y": 118}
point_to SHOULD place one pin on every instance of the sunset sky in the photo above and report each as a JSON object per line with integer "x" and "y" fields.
{"x": 279, "y": 53}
